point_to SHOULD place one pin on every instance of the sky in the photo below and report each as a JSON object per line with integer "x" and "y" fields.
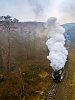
{"x": 39, "y": 10}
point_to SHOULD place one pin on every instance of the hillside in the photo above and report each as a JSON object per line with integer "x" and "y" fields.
{"x": 70, "y": 31}
{"x": 24, "y": 70}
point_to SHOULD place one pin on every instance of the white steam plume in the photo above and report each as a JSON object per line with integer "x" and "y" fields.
{"x": 56, "y": 44}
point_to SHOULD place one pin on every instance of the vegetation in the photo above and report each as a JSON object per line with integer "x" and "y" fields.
{"x": 22, "y": 58}
{"x": 24, "y": 70}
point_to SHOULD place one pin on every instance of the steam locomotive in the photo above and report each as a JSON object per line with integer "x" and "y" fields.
{"x": 57, "y": 76}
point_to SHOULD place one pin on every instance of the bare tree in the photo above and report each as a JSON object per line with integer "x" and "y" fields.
{"x": 15, "y": 20}
{"x": 1, "y": 61}
{"x": 8, "y": 23}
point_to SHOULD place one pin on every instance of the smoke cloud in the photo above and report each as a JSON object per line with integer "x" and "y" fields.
{"x": 56, "y": 44}
{"x": 39, "y": 8}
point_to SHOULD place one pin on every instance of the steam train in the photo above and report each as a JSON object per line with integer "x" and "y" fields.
{"x": 57, "y": 76}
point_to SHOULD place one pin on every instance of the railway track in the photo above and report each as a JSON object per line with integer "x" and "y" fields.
{"x": 55, "y": 86}
{"x": 52, "y": 92}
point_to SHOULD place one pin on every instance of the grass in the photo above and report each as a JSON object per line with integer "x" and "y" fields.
{"x": 37, "y": 81}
